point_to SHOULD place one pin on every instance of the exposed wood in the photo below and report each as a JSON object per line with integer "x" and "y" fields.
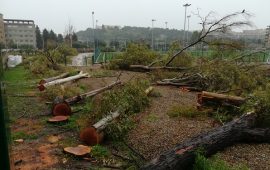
{"x": 100, "y": 125}
{"x": 61, "y": 81}
{"x": 58, "y": 119}
{"x": 143, "y": 68}
{"x": 79, "y": 150}
{"x": 61, "y": 107}
{"x": 149, "y": 90}
{"x": 205, "y": 96}
{"x": 78, "y": 98}
{"x": 238, "y": 130}
{"x": 43, "y": 81}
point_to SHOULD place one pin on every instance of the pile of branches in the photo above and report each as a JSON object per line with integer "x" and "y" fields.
{"x": 194, "y": 81}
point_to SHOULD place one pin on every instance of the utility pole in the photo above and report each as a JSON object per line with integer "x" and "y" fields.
{"x": 153, "y": 20}
{"x": 185, "y": 5}
{"x": 188, "y": 17}
{"x": 166, "y": 23}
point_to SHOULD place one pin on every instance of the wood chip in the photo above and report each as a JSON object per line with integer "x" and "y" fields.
{"x": 79, "y": 150}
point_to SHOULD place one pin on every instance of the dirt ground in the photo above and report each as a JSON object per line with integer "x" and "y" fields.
{"x": 154, "y": 133}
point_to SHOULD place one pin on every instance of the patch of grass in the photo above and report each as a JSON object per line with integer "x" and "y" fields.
{"x": 69, "y": 141}
{"x": 103, "y": 73}
{"x": 99, "y": 151}
{"x": 23, "y": 135}
{"x": 184, "y": 111}
{"x": 155, "y": 93}
{"x": 151, "y": 117}
{"x": 214, "y": 163}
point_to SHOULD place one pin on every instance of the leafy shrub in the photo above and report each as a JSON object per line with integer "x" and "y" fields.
{"x": 128, "y": 100}
{"x": 135, "y": 54}
{"x": 66, "y": 91}
{"x": 223, "y": 75}
{"x": 260, "y": 101}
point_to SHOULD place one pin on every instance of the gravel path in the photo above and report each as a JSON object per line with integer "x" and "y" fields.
{"x": 255, "y": 156}
{"x": 156, "y": 132}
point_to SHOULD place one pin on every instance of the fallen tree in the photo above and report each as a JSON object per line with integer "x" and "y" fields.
{"x": 78, "y": 98}
{"x": 143, "y": 68}
{"x": 94, "y": 135}
{"x": 61, "y": 81}
{"x": 239, "y": 130}
{"x": 62, "y": 107}
{"x": 47, "y": 80}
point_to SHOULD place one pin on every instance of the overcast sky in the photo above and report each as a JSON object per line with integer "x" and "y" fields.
{"x": 55, "y": 14}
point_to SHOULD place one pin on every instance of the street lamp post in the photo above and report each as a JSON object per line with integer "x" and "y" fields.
{"x": 188, "y": 17}
{"x": 185, "y": 5}
{"x": 96, "y": 34}
{"x": 153, "y": 20}
{"x": 166, "y": 23}
{"x": 93, "y": 21}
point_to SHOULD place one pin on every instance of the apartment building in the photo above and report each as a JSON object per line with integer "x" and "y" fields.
{"x": 20, "y": 32}
{"x": 2, "y": 30}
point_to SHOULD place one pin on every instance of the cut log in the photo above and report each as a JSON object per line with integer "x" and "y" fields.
{"x": 94, "y": 135}
{"x": 238, "y": 130}
{"x": 61, "y": 81}
{"x": 205, "y": 97}
{"x": 142, "y": 68}
{"x": 78, "y": 98}
{"x": 79, "y": 150}
{"x": 43, "y": 81}
{"x": 61, "y": 107}
{"x": 58, "y": 119}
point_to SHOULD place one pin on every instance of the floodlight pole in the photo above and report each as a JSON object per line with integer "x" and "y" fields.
{"x": 93, "y": 21}
{"x": 185, "y": 5}
{"x": 153, "y": 20}
{"x": 188, "y": 17}
{"x": 166, "y": 23}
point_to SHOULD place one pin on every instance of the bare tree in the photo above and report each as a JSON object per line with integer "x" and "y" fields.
{"x": 70, "y": 29}
{"x": 234, "y": 20}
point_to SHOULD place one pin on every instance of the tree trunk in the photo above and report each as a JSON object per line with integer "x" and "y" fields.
{"x": 183, "y": 155}
{"x": 143, "y": 68}
{"x": 61, "y": 81}
{"x": 205, "y": 97}
{"x": 43, "y": 81}
{"x": 94, "y": 135}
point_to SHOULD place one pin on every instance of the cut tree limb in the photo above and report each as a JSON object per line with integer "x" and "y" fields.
{"x": 78, "y": 98}
{"x": 238, "y": 130}
{"x": 43, "y": 81}
{"x": 205, "y": 97}
{"x": 64, "y": 80}
{"x": 144, "y": 68}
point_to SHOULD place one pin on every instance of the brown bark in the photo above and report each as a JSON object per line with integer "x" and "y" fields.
{"x": 143, "y": 68}
{"x": 78, "y": 98}
{"x": 205, "y": 97}
{"x": 183, "y": 155}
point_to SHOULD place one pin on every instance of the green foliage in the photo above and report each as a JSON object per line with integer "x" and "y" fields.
{"x": 223, "y": 75}
{"x": 128, "y": 100}
{"x": 182, "y": 60}
{"x": 99, "y": 151}
{"x": 136, "y": 54}
{"x": 184, "y": 111}
{"x": 66, "y": 91}
{"x": 202, "y": 163}
{"x": 260, "y": 101}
